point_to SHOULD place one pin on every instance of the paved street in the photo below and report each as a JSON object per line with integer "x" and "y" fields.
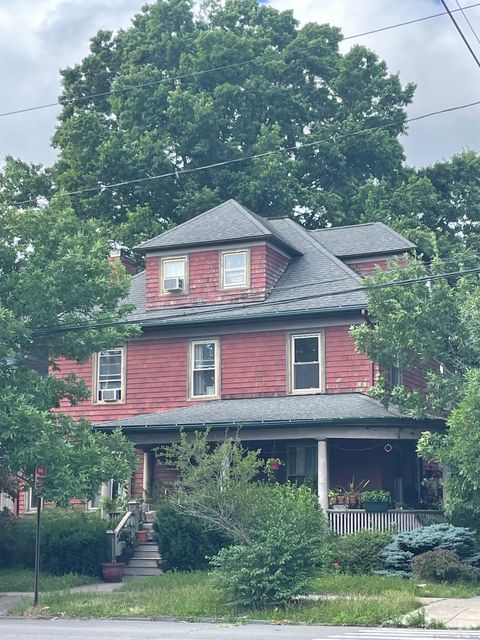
{"x": 17, "y": 629}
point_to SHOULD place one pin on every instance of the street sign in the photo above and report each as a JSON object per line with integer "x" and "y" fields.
{"x": 40, "y": 475}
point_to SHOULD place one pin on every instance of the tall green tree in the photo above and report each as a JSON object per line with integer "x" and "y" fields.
{"x": 54, "y": 275}
{"x": 434, "y": 328}
{"x": 275, "y": 85}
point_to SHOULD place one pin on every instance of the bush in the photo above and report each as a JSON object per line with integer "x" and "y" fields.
{"x": 184, "y": 542}
{"x": 360, "y": 552}
{"x": 376, "y": 495}
{"x": 398, "y": 555}
{"x": 71, "y": 542}
{"x": 443, "y": 565}
{"x": 287, "y": 548}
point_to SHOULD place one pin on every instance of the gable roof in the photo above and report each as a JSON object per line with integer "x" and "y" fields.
{"x": 372, "y": 238}
{"x": 314, "y": 282}
{"x": 228, "y": 222}
{"x": 341, "y": 409}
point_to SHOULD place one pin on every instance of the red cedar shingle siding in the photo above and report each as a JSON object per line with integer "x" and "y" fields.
{"x": 346, "y": 370}
{"x": 266, "y": 267}
{"x": 253, "y": 365}
{"x": 367, "y": 268}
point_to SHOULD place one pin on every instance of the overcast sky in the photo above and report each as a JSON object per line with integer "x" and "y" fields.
{"x": 38, "y": 37}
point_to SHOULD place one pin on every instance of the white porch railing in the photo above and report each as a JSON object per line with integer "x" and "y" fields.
{"x": 6, "y": 501}
{"x": 353, "y": 520}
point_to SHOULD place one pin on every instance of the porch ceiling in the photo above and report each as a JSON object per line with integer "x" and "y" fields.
{"x": 339, "y": 409}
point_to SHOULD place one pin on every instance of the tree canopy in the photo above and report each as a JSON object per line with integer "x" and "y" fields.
{"x": 275, "y": 85}
{"x": 55, "y": 274}
{"x": 435, "y": 327}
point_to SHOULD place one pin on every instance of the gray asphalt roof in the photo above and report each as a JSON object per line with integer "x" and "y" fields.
{"x": 321, "y": 408}
{"x": 227, "y": 222}
{"x": 311, "y": 282}
{"x": 362, "y": 239}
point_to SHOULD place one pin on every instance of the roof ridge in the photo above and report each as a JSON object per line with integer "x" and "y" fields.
{"x": 319, "y": 247}
{"x": 346, "y": 226}
{"x": 178, "y": 226}
{"x": 257, "y": 220}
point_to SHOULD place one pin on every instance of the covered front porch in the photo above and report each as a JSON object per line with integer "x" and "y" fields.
{"x": 328, "y": 442}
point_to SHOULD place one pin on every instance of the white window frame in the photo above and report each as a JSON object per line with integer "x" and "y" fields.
{"x": 223, "y": 271}
{"x": 28, "y": 501}
{"x": 166, "y": 259}
{"x": 321, "y": 362}
{"x": 96, "y": 379}
{"x": 216, "y": 369}
{"x": 395, "y": 367}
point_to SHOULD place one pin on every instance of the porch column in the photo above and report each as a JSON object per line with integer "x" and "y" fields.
{"x": 322, "y": 474}
{"x": 147, "y": 474}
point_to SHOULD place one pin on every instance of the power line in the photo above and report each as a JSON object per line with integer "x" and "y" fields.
{"x": 462, "y": 35}
{"x": 214, "y": 165}
{"x": 44, "y": 331}
{"x": 468, "y": 21}
{"x": 102, "y": 94}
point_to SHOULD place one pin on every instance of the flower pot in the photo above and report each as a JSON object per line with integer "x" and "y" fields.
{"x": 112, "y": 571}
{"x": 274, "y": 466}
{"x": 353, "y": 502}
{"x": 142, "y": 536}
{"x": 340, "y": 499}
{"x": 376, "y": 507}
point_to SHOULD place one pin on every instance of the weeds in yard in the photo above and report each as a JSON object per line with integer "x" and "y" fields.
{"x": 23, "y": 580}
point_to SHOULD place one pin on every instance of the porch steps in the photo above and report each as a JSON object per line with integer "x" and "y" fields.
{"x": 144, "y": 561}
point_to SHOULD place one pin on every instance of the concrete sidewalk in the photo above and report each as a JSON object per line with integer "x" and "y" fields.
{"x": 454, "y": 613}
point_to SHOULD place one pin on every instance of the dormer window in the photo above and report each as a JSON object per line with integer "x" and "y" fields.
{"x": 235, "y": 270}
{"x": 174, "y": 275}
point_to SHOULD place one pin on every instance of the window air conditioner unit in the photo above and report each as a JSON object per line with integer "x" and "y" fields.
{"x": 173, "y": 284}
{"x": 108, "y": 395}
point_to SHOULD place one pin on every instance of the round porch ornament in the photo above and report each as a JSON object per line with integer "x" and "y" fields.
{"x": 388, "y": 448}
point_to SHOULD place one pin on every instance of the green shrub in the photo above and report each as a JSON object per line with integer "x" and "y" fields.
{"x": 72, "y": 541}
{"x": 359, "y": 552}
{"x": 443, "y": 565}
{"x": 398, "y": 555}
{"x": 287, "y": 549}
{"x": 184, "y": 542}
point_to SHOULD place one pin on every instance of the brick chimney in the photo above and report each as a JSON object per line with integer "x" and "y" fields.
{"x": 120, "y": 255}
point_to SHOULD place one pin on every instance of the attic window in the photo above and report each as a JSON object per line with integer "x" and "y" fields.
{"x": 173, "y": 278}
{"x": 234, "y": 269}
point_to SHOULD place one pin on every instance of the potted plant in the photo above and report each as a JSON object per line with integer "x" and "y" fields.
{"x": 274, "y": 464}
{"x": 377, "y": 501}
{"x": 352, "y": 491}
{"x": 112, "y": 571}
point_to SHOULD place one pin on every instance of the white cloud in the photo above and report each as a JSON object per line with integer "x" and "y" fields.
{"x": 41, "y": 36}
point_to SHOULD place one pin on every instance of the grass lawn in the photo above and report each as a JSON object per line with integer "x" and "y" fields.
{"x": 23, "y": 580}
{"x": 190, "y": 597}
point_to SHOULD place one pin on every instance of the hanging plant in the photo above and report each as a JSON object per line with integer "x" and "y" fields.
{"x": 274, "y": 464}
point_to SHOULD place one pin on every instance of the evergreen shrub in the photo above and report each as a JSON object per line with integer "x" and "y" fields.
{"x": 185, "y": 543}
{"x": 398, "y": 555}
{"x": 360, "y": 552}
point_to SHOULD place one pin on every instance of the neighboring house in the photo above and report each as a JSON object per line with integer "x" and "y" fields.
{"x": 245, "y": 327}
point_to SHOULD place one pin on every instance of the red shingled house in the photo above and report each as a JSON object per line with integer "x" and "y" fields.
{"x": 245, "y": 325}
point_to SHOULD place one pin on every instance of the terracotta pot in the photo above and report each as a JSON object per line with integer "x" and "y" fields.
{"x": 352, "y": 501}
{"x": 340, "y": 499}
{"x": 142, "y": 536}
{"x": 112, "y": 571}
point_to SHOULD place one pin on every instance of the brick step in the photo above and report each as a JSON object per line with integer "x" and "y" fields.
{"x": 135, "y": 572}
{"x": 142, "y": 562}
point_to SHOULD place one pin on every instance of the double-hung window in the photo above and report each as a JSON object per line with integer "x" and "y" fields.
{"x": 306, "y": 363}
{"x": 204, "y": 368}
{"x": 235, "y": 269}
{"x": 110, "y": 375}
{"x": 174, "y": 275}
